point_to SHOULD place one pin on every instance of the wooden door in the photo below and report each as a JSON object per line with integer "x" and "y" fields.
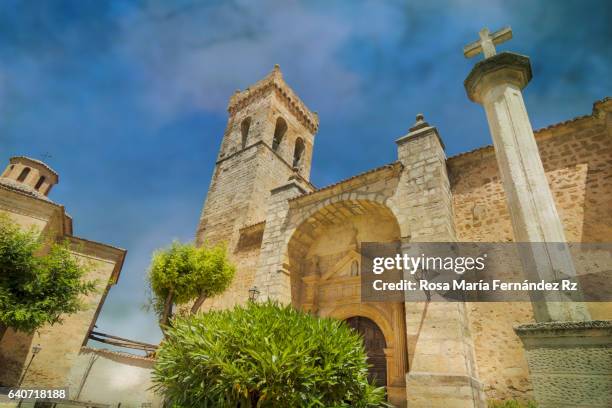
{"x": 374, "y": 343}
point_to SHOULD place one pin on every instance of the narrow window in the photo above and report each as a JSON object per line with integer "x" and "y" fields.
{"x": 244, "y": 129}
{"x": 298, "y": 152}
{"x": 24, "y": 174}
{"x": 39, "y": 183}
{"x": 279, "y": 133}
{"x": 8, "y": 171}
{"x": 355, "y": 268}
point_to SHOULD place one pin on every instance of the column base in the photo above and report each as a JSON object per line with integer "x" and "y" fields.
{"x": 570, "y": 363}
{"x": 428, "y": 390}
{"x": 396, "y": 396}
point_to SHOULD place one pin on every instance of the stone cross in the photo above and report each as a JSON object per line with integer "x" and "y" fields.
{"x": 487, "y": 42}
{"x": 497, "y": 83}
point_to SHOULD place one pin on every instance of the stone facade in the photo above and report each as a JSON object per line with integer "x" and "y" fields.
{"x": 24, "y": 199}
{"x": 300, "y": 245}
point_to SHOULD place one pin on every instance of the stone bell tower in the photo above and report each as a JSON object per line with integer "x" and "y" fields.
{"x": 268, "y": 139}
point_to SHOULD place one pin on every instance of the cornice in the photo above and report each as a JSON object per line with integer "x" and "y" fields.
{"x": 100, "y": 251}
{"x": 25, "y": 204}
{"x": 388, "y": 170}
{"x": 29, "y": 160}
{"x": 599, "y": 106}
{"x": 274, "y": 82}
{"x": 265, "y": 145}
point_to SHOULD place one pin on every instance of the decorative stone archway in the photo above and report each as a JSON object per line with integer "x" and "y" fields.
{"x": 293, "y": 211}
{"x": 322, "y": 258}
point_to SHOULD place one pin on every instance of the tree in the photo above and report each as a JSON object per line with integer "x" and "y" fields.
{"x": 37, "y": 290}
{"x": 263, "y": 355}
{"x": 183, "y": 273}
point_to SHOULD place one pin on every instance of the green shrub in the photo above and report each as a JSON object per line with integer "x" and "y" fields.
{"x": 263, "y": 355}
{"x": 37, "y": 290}
{"x": 511, "y": 404}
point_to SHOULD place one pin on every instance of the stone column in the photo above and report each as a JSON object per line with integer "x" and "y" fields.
{"x": 496, "y": 83}
{"x": 442, "y": 370}
{"x": 569, "y": 355}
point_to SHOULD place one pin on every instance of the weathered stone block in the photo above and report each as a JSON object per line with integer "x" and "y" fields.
{"x": 570, "y": 363}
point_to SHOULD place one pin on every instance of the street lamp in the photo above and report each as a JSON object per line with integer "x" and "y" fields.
{"x": 35, "y": 350}
{"x": 253, "y": 293}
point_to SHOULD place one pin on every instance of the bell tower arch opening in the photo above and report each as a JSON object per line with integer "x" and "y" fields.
{"x": 298, "y": 152}
{"x": 279, "y": 133}
{"x": 244, "y": 130}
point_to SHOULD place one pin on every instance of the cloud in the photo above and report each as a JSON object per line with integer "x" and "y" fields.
{"x": 197, "y": 55}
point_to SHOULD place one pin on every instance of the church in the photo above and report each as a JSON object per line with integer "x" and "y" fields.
{"x": 300, "y": 244}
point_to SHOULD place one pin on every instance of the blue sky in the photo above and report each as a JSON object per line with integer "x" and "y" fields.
{"x": 129, "y": 97}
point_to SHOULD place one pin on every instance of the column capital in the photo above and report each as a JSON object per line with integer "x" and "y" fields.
{"x": 506, "y": 67}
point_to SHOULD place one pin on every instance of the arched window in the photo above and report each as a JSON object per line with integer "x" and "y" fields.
{"x": 298, "y": 152}
{"x": 39, "y": 183}
{"x": 24, "y": 174}
{"x": 244, "y": 129}
{"x": 279, "y": 132}
{"x": 8, "y": 170}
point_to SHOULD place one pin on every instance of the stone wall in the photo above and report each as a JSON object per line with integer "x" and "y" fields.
{"x": 61, "y": 342}
{"x": 15, "y": 347}
{"x": 238, "y": 199}
{"x": 577, "y": 158}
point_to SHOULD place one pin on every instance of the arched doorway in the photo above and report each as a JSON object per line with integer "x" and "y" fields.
{"x": 322, "y": 259}
{"x": 374, "y": 343}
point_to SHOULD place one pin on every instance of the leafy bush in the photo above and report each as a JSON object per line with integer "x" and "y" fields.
{"x": 511, "y": 404}
{"x": 263, "y": 355}
{"x": 36, "y": 290}
{"x": 182, "y": 273}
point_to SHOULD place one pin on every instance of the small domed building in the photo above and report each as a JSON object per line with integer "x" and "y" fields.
{"x": 24, "y": 188}
{"x": 30, "y": 176}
